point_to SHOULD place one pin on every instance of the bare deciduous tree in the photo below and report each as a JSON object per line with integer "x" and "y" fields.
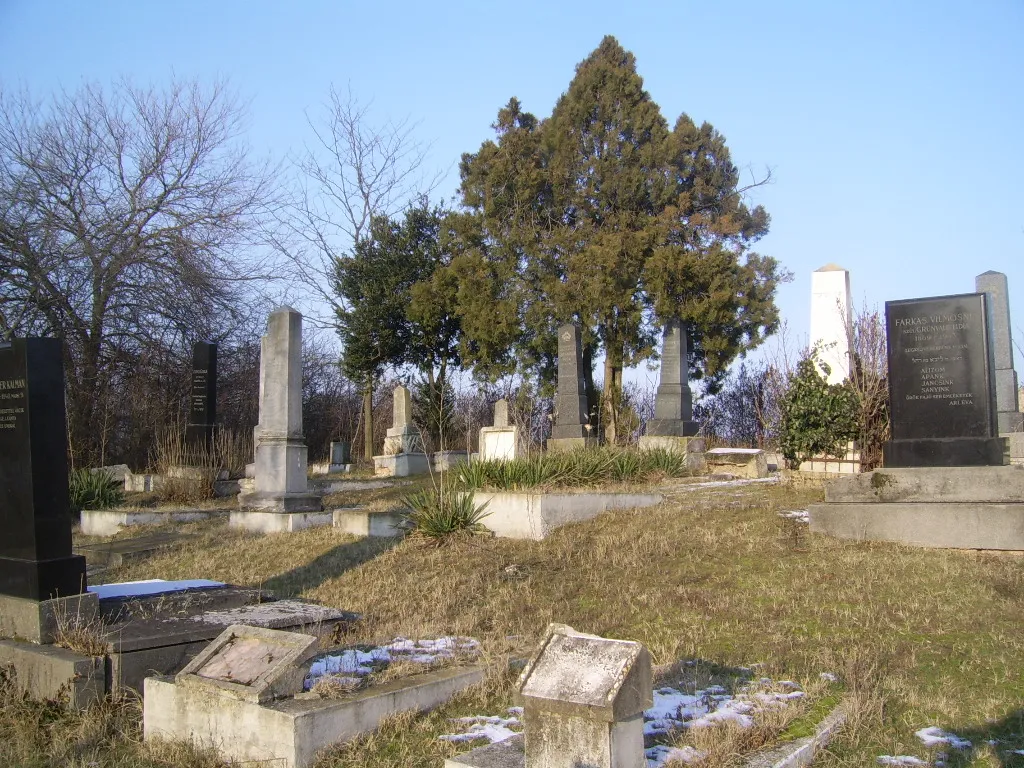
{"x": 127, "y": 218}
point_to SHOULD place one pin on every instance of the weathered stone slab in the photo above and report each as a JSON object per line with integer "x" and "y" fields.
{"x": 49, "y": 673}
{"x": 121, "y": 551}
{"x": 38, "y": 621}
{"x": 742, "y": 462}
{"x": 535, "y": 515}
{"x": 401, "y": 465}
{"x": 994, "y": 485}
{"x": 362, "y": 522}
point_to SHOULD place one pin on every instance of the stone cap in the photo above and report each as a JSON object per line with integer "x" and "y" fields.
{"x": 573, "y": 673}
{"x": 251, "y": 663}
{"x": 830, "y": 267}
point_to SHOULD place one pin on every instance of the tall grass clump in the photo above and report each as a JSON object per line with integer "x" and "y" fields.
{"x": 571, "y": 469}
{"x": 93, "y": 489}
{"x": 440, "y": 513}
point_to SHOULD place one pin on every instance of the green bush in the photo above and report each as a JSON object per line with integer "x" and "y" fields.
{"x": 569, "y": 469}
{"x": 440, "y": 513}
{"x": 818, "y": 418}
{"x": 93, "y": 490}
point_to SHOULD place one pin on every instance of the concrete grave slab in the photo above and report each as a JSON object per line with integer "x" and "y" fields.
{"x": 107, "y": 522}
{"x": 363, "y": 522}
{"x": 535, "y": 515}
{"x": 121, "y": 551}
{"x": 742, "y": 462}
{"x": 251, "y": 663}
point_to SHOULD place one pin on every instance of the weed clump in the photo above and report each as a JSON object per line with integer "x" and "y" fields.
{"x": 89, "y": 489}
{"x": 440, "y": 513}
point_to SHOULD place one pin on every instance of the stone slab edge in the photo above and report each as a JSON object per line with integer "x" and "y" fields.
{"x": 801, "y": 752}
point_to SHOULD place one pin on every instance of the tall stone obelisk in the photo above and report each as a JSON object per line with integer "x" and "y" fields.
{"x": 673, "y": 427}
{"x": 1009, "y": 419}
{"x": 280, "y": 483}
{"x": 832, "y": 320}
{"x": 570, "y": 429}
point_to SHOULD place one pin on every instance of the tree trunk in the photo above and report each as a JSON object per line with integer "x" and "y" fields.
{"x": 588, "y": 384}
{"x": 612, "y": 389}
{"x": 368, "y": 419}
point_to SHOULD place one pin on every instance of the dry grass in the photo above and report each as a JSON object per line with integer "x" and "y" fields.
{"x": 919, "y": 637}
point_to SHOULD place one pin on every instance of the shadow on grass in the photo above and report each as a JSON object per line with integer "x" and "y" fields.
{"x": 329, "y": 565}
{"x": 1007, "y": 732}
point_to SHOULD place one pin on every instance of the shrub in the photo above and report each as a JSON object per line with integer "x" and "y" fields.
{"x": 439, "y": 513}
{"x": 818, "y": 418}
{"x": 90, "y": 489}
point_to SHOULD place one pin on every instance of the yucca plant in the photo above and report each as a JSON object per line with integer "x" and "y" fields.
{"x": 439, "y": 514}
{"x": 93, "y": 490}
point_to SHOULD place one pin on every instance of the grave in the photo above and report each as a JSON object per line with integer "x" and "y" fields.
{"x": 1009, "y": 419}
{"x": 499, "y": 442}
{"x": 944, "y": 481}
{"x": 244, "y": 696}
{"x": 740, "y": 462}
{"x": 203, "y": 399}
{"x": 403, "y": 449}
{"x": 571, "y": 429}
{"x": 40, "y": 577}
{"x": 280, "y": 486}
{"x": 673, "y": 427}
{"x": 583, "y": 698}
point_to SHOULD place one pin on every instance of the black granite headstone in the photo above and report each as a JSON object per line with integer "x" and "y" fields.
{"x": 203, "y": 399}
{"x": 673, "y": 404}
{"x": 571, "y": 397}
{"x": 35, "y": 519}
{"x": 941, "y": 393}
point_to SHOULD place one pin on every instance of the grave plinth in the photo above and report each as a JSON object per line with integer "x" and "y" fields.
{"x": 280, "y": 483}
{"x": 499, "y": 442}
{"x": 570, "y": 430}
{"x": 403, "y": 448}
{"x": 673, "y": 427}
{"x": 1009, "y": 419}
{"x": 39, "y": 575}
{"x": 941, "y": 388}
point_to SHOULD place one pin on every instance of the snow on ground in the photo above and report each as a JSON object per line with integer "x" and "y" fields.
{"x": 730, "y": 483}
{"x": 799, "y": 515}
{"x": 673, "y": 710}
{"x": 351, "y": 665}
{"x": 900, "y": 760}
{"x": 930, "y": 737}
{"x": 149, "y": 587}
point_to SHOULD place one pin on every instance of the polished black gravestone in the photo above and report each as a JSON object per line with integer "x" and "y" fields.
{"x": 203, "y": 400}
{"x": 35, "y": 544}
{"x": 941, "y": 389}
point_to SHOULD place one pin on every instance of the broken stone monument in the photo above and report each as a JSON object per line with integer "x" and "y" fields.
{"x": 40, "y": 578}
{"x": 280, "y": 484}
{"x": 571, "y": 429}
{"x": 944, "y": 481}
{"x": 403, "y": 448}
{"x": 583, "y": 698}
{"x": 1009, "y": 419}
{"x": 499, "y": 442}
{"x": 673, "y": 427}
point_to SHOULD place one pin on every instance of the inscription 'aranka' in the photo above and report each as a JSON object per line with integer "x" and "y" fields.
{"x": 12, "y": 384}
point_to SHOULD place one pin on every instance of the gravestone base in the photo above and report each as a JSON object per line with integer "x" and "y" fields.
{"x": 442, "y": 461}
{"x": 693, "y": 447}
{"x": 946, "y": 452}
{"x": 499, "y": 443}
{"x": 401, "y": 465}
{"x": 941, "y": 507}
{"x": 741, "y": 462}
{"x": 286, "y": 503}
{"x": 1015, "y": 440}
{"x": 672, "y": 428}
{"x": 555, "y": 444}
{"x": 42, "y": 579}
{"x": 38, "y": 621}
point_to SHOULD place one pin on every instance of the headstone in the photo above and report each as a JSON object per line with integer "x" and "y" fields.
{"x": 203, "y": 400}
{"x": 831, "y": 319}
{"x": 340, "y": 453}
{"x": 1009, "y": 418}
{"x": 570, "y": 429}
{"x": 280, "y": 482}
{"x": 36, "y": 562}
{"x": 584, "y": 697}
{"x": 404, "y": 454}
{"x": 500, "y": 442}
{"x": 673, "y": 405}
{"x": 251, "y": 663}
{"x": 941, "y": 388}
{"x": 501, "y": 413}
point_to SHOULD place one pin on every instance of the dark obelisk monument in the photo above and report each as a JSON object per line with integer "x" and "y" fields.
{"x": 941, "y": 384}
{"x": 673, "y": 427}
{"x": 37, "y": 569}
{"x": 203, "y": 398}
{"x": 570, "y": 429}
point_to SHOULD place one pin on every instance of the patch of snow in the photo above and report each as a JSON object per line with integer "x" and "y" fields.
{"x": 934, "y": 736}
{"x": 828, "y": 677}
{"x": 799, "y": 515}
{"x": 150, "y": 587}
{"x": 724, "y": 451}
{"x": 731, "y": 483}
{"x": 356, "y": 662}
{"x": 900, "y": 760}
{"x": 661, "y": 754}
{"x": 675, "y": 710}
{"x": 494, "y": 729}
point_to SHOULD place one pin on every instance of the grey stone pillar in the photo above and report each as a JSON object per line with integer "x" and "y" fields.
{"x": 569, "y": 430}
{"x": 1007, "y": 405}
{"x": 280, "y": 472}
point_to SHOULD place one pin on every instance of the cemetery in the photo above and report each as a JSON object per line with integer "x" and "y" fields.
{"x": 457, "y": 535}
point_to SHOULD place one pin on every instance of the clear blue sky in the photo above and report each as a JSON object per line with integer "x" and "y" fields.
{"x": 894, "y": 130}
